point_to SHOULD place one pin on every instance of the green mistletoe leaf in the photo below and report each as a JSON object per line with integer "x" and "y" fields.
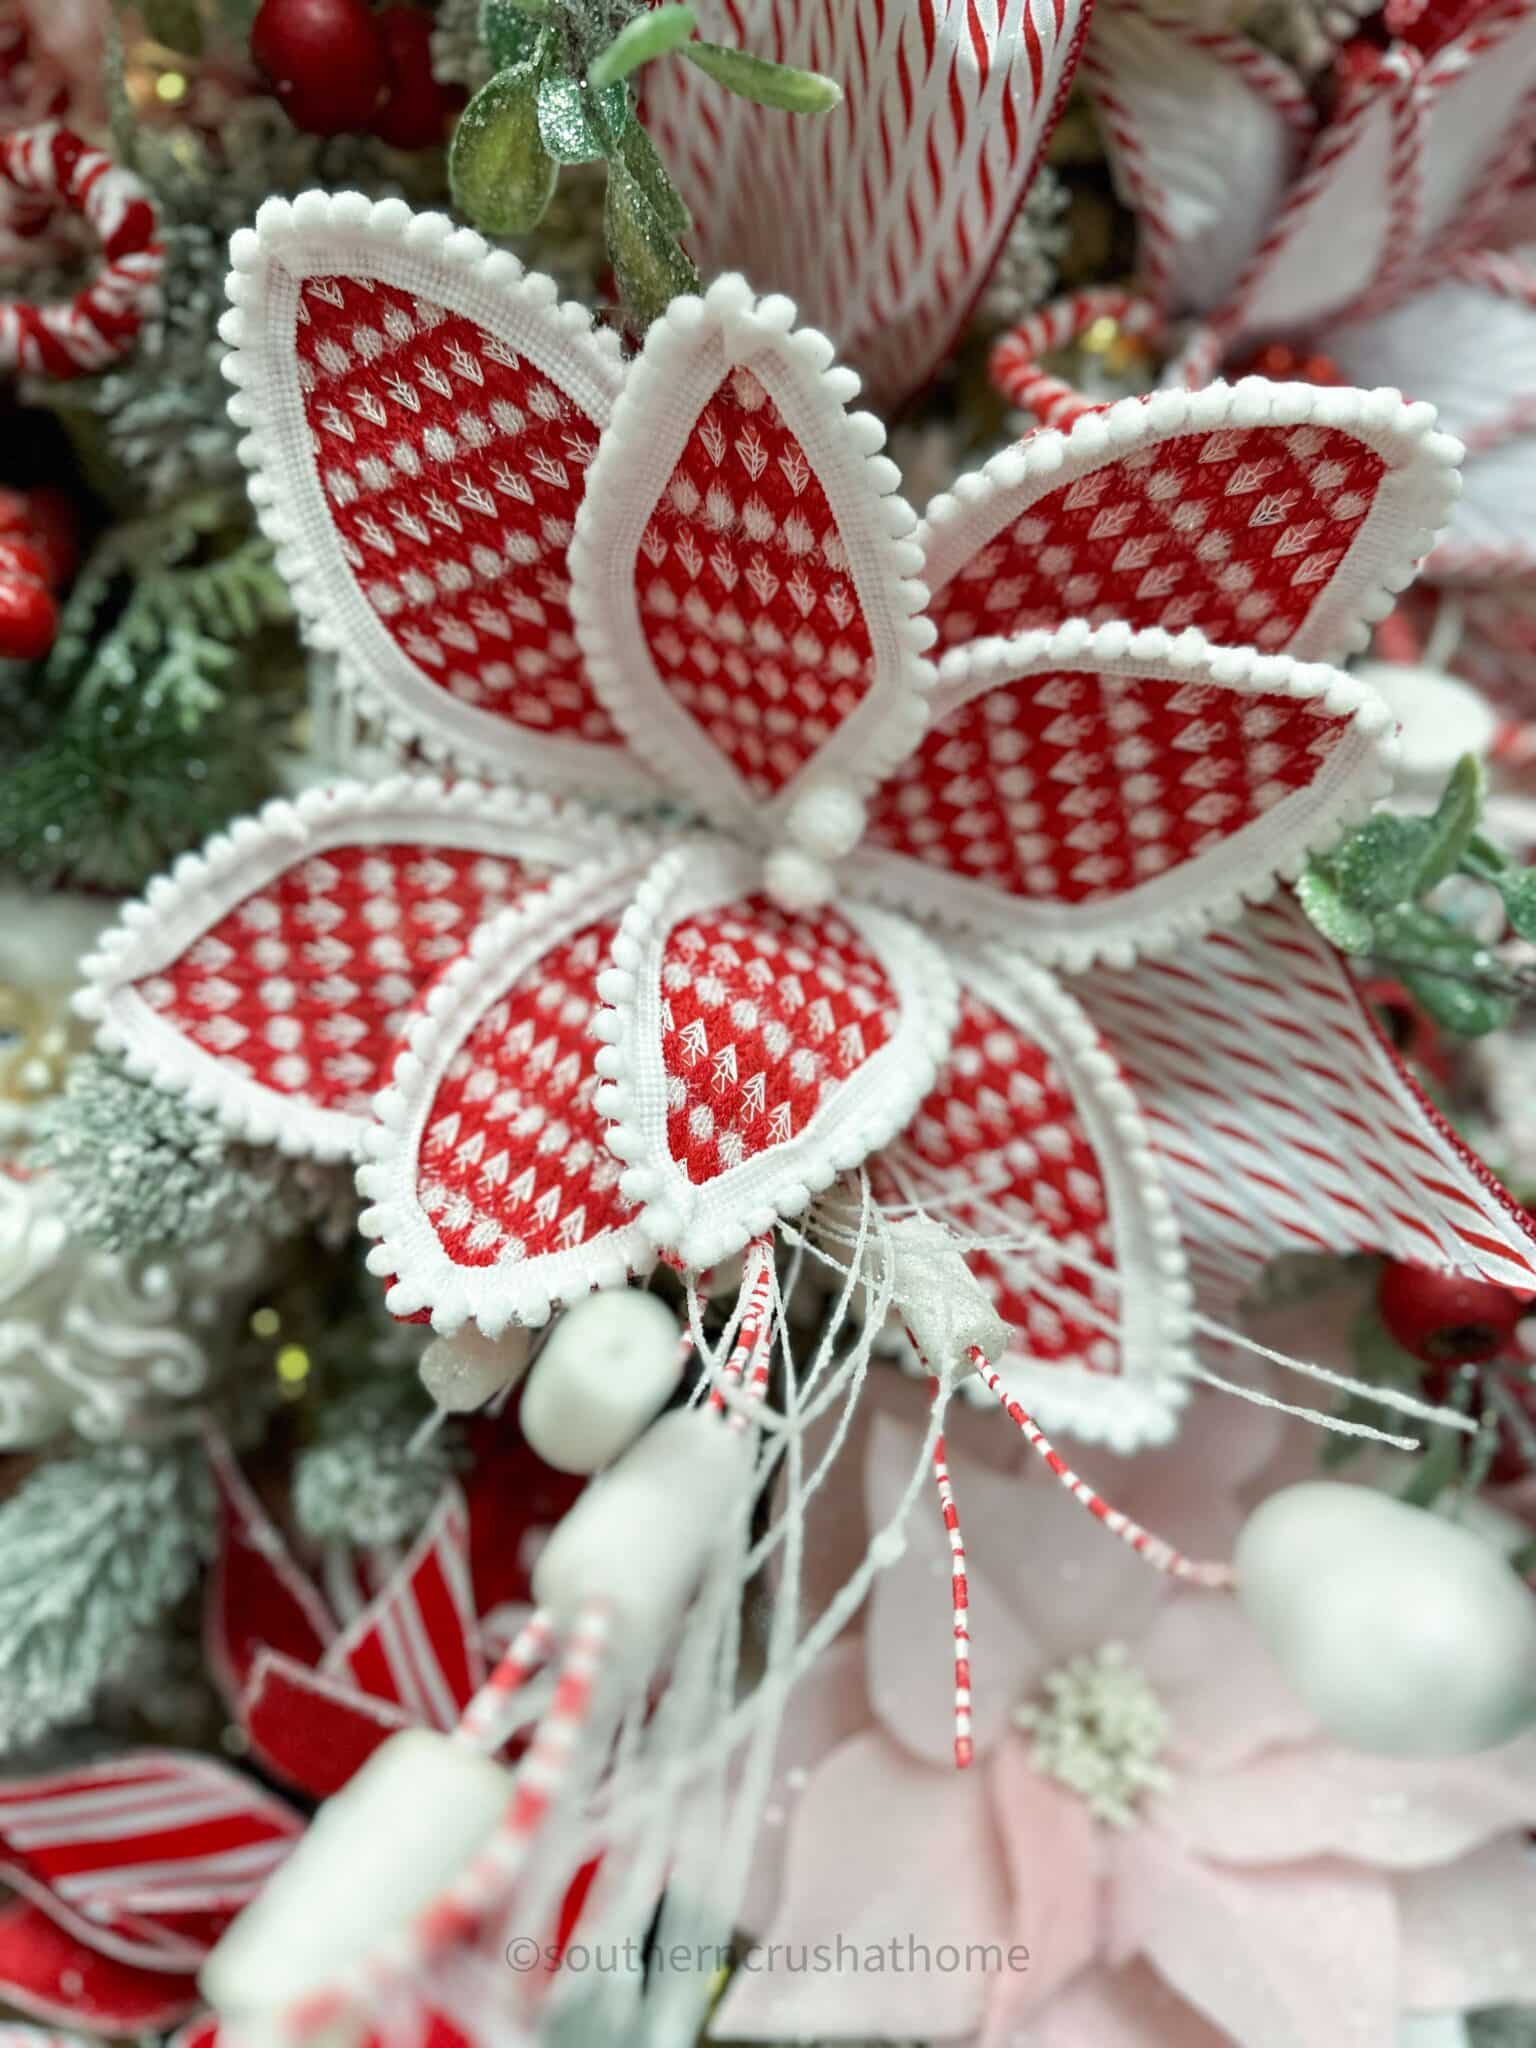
{"x": 648, "y": 262}
{"x": 1342, "y": 923}
{"x": 650, "y": 174}
{"x": 579, "y": 125}
{"x": 501, "y": 175}
{"x": 1454, "y": 822}
{"x": 757, "y": 78}
{"x": 646, "y": 37}
{"x": 510, "y": 29}
{"x": 1518, "y": 889}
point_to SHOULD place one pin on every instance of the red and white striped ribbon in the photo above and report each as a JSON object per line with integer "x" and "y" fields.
{"x": 1015, "y": 365}
{"x": 52, "y": 166}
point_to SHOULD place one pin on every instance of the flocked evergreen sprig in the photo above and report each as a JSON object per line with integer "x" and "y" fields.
{"x": 373, "y": 1473}
{"x": 1382, "y": 895}
{"x": 561, "y": 93}
{"x": 141, "y": 1171}
{"x": 99, "y": 1549}
{"x": 167, "y": 698}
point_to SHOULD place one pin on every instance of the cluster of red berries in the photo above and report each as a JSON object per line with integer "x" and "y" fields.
{"x": 339, "y": 68}
{"x": 37, "y": 558}
{"x": 1445, "y": 1322}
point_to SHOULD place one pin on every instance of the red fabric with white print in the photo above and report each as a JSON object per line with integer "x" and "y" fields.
{"x": 512, "y": 1162}
{"x": 306, "y": 984}
{"x": 1282, "y": 1120}
{"x": 743, "y": 588}
{"x": 1236, "y": 532}
{"x": 765, "y": 1013}
{"x": 999, "y": 1146}
{"x": 1075, "y": 787}
{"x": 454, "y": 469}
{"x": 148, "y": 1855}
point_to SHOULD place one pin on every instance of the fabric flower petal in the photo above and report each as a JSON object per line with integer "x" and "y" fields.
{"x": 1279, "y": 516}
{"x": 1276, "y": 1958}
{"x": 1031, "y": 1134}
{"x": 421, "y": 416}
{"x": 1130, "y": 2007}
{"x": 853, "y": 1876}
{"x": 1323, "y": 1801}
{"x": 1225, "y": 1696}
{"x": 1469, "y": 1928}
{"x": 268, "y": 978}
{"x": 1055, "y": 1868}
{"x": 754, "y": 1053}
{"x": 1095, "y": 794}
{"x": 492, "y": 1194}
{"x": 744, "y": 576}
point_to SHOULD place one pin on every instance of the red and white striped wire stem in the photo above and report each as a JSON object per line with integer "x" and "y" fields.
{"x": 1015, "y": 365}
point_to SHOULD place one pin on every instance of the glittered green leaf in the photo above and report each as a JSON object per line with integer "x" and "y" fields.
{"x": 510, "y": 29}
{"x": 1378, "y": 864}
{"x": 650, "y": 174}
{"x": 1517, "y": 886}
{"x": 501, "y": 174}
{"x": 1459, "y": 1006}
{"x": 647, "y": 260}
{"x": 1341, "y": 923}
{"x": 647, "y": 36}
{"x": 580, "y": 125}
{"x": 758, "y": 78}
{"x": 1453, "y": 824}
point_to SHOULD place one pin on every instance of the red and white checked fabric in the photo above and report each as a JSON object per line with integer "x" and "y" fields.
{"x": 614, "y": 1043}
{"x": 743, "y": 553}
{"x": 882, "y": 219}
{"x": 144, "y": 1858}
{"x": 1426, "y": 148}
{"x": 52, "y": 165}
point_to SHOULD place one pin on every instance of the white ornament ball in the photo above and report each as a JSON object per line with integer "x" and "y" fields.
{"x": 797, "y": 881}
{"x": 1404, "y": 1633}
{"x": 373, "y": 1857}
{"x": 609, "y": 1367}
{"x": 1440, "y": 718}
{"x": 464, "y": 1371}
{"x": 827, "y": 820}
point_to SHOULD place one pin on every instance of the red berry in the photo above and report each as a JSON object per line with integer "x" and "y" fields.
{"x": 1445, "y": 1319}
{"x": 415, "y": 106}
{"x": 325, "y": 59}
{"x": 29, "y": 618}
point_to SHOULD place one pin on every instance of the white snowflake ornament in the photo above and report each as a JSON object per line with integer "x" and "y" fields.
{"x": 836, "y": 921}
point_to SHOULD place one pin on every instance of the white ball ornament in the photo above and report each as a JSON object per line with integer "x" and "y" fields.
{"x": 828, "y": 820}
{"x": 464, "y": 1371}
{"x": 796, "y": 880}
{"x": 609, "y": 1367}
{"x": 373, "y": 1857}
{"x": 1404, "y": 1633}
{"x": 1439, "y": 716}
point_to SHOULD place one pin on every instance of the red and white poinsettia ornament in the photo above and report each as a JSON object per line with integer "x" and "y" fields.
{"x": 1425, "y": 153}
{"x": 685, "y": 585}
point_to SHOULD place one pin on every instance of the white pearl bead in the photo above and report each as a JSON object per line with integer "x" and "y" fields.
{"x": 608, "y": 1368}
{"x": 827, "y": 820}
{"x": 797, "y": 881}
{"x": 1441, "y": 717}
{"x": 374, "y": 1855}
{"x": 1404, "y": 1633}
{"x": 466, "y": 1370}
